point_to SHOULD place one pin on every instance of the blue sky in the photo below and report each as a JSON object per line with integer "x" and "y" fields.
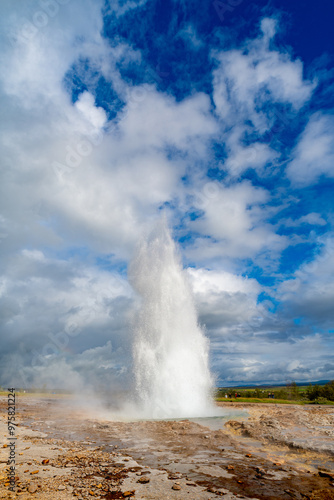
{"x": 220, "y": 114}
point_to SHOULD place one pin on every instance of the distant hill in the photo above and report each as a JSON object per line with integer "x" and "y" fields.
{"x": 259, "y": 385}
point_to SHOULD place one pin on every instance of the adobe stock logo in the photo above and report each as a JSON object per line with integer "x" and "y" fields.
{"x": 27, "y": 28}
{"x": 228, "y": 6}
{"x": 75, "y": 154}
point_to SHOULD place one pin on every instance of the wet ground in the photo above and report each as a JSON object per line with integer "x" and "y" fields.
{"x": 258, "y": 451}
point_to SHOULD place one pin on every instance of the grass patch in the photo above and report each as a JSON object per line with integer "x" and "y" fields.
{"x": 277, "y": 401}
{"x": 291, "y": 393}
{"x": 37, "y": 394}
{"x": 260, "y": 400}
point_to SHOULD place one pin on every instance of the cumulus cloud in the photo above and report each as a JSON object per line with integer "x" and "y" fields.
{"x": 309, "y": 293}
{"x": 51, "y": 308}
{"x": 270, "y": 362}
{"x": 90, "y": 157}
{"x": 248, "y": 78}
{"x": 249, "y": 86}
{"x": 235, "y": 220}
{"x": 314, "y": 153}
{"x": 223, "y": 299}
{"x": 120, "y": 8}
{"x": 189, "y": 35}
{"x": 79, "y": 184}
{"x": 87, "y": 176}
{"x": 312, "y": 218}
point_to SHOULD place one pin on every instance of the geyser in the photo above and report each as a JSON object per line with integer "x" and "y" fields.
{"x": 170, "y": 350}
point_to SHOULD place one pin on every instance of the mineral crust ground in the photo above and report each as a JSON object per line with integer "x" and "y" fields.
{"x": 64, "y": 452}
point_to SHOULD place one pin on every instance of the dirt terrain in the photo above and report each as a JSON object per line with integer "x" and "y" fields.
{"x": 270, "y": 452}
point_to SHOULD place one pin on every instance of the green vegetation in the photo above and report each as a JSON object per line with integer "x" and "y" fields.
{"x": 291, "y": 393}
{"x": 321, "y": 394}
{"x": 259, "y": 400}
{"x": 37, "y": 392}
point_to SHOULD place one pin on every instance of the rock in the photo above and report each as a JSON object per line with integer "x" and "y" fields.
{"x": 219, "y": 493}
{"x": 45, "y": 461}
{"x": 248, "y": 455}
{"x": 174, "y": 476}
{"x": 32, "y": 488}
{"x": 325, "y": 473}
{"x": 127, "y": 494}
{"x": 61, "y": 487}
{"x": 289, "y": 492}
{"x": 176, "y": 487}
{"x": 143, "y": 480}
{"x": 211, "y": 489}
{"x": 230, "y": 467}
{"x": 97, "y": 478}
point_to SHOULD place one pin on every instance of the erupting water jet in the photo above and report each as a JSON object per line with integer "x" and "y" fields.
{"x": 170, "y": 350}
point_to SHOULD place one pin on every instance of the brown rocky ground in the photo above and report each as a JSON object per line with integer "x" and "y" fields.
{"x": 65, "y": 452}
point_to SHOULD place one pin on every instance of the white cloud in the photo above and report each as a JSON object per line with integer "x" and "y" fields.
{"x": 130, "y": 174}
{"x": 268, "y": 28}
{"x": 158, "y": 121}
{"x": 95, "y": 116}
{"x": 76, "y": 187}
{"x": 189, "y": 34}
{"x": 310, "y": 292}
{"x": 86, "y": 178}
{"x": 206, "y": 281}
{"x": 314, "y": 153}
{"x": 223, "y": 298}
{"x": 240, "y": 158}
{"x": 248, "y": 84}
{"x": 312, "y": 218}
{"x": 71, "y": 180}
{"x": 51, "y": 307}
{"x": 269, "y": 361}
{"x": 245, "y": 79}
{"x": 235, "y": 218}
{"x": 79, "y": 293}
{"x": 36, "y": 57}
{"x": 120, "y": 8}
